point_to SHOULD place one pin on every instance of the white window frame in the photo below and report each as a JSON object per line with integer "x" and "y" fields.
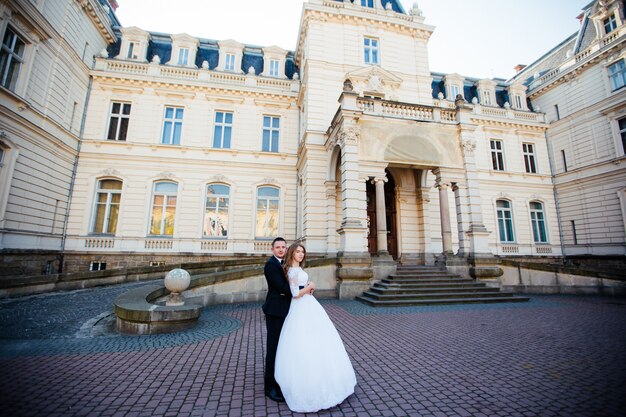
{"x": 174, "y": 121}
{"x": 229, "y": 64}
{"x": 166, "y": 196}
{"x": 622, "y": 133}
{"x": 274, "y": 68}
{"x": 530, "y": 157}
{"x": 502, "y": 220}
{"x": 214, "y": 216}
{"x": 132, "y": 50}
{"x": 183, "y": 56}
{"x": 454, "y": 91}
{"x": 370, "y": 4}
{"x": 97, "y": 265}
{"x": 486, "y": 99}
{"x": 538, "y": 222}
{"x": 223, "y": 125}
{"x": 267, "y": 234}
{"x": 609, "y": 24}
{"x": 271, "y": 130}
{"x": 9, "y": 55}
{"x": 617, "y": 74}
{"x": 371, "y": 50}
{"x": 119, "y": 117}
{"x": 109, "y": 192}
{"x": 517, "y": 101}
{"x": 497, "y": 155}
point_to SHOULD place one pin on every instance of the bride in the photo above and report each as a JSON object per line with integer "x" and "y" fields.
{"x": 312, "y": 366}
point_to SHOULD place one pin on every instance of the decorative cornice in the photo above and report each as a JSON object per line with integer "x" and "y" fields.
{"x": 100, "y": 19}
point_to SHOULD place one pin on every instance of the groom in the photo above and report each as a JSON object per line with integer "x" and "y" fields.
{"x": 276, "y": 307}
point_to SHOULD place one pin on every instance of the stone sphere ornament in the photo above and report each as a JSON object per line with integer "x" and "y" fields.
{"x": 176, "y": 281}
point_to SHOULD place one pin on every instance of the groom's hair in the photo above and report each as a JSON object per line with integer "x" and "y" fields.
{"x": 278, "y": 239}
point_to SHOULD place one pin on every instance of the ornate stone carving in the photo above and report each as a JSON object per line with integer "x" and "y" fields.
{"x": 219, "y": 178}
{"x": 166, "y": 175}
{"x": 348, "y": 135}
{"x": 111, "y": 172}
{"x": 468, "y": 146}
{"x": 347, "y": 85}
{"x": 269, "y": 180}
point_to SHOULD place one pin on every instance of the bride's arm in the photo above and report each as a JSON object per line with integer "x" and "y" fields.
{"x": 296, "y": 292}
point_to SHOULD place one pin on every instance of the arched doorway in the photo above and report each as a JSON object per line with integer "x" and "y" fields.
{"x": 390, "y": 216}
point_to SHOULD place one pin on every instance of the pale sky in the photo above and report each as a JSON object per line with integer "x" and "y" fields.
{"x": 475, "y": 38}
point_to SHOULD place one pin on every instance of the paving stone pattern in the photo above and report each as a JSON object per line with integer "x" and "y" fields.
{"x": 552, "y": 356}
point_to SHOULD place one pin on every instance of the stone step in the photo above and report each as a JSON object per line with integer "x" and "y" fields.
{"x": 439, "y": 301}
{"x": 424, "y": 295}
{"x": 434, "y": 290}
{"x": 440, "y": 284}
{"x": 426, "y": 280}
{"x": 429, "y": 275}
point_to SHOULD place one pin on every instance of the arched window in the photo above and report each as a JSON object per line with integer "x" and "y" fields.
{"x": 216, "y": 211}
{"x": 538, "y": 220}
{"x": 505, "y": 221}
{"x": 163, "y": 208}
{"x": 267, "y": 218}
{"x": 107, "y": 207}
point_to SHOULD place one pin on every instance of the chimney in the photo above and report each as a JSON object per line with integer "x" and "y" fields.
{"x": 113, "y": 4}
{"x": 519, "y": 67}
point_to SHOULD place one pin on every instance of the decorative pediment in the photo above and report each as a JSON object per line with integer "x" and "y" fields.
{"x": 373, "y": 79}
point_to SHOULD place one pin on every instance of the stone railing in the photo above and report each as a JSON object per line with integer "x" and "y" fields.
{"x": 509, "y": 113}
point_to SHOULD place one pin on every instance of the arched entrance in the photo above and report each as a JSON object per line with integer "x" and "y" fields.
{"x": 390, "y": 216}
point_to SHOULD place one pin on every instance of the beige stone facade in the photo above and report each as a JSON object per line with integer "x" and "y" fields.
{"x": 194, "y": 148}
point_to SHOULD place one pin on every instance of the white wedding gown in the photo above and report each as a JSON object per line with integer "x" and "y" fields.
{"x": 312, "y": 367}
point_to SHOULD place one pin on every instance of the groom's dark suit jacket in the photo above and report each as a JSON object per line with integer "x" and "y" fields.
{"x": 278, "y": 293}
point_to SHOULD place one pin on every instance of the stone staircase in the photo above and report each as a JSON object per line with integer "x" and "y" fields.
{"x": 414, "y": 285}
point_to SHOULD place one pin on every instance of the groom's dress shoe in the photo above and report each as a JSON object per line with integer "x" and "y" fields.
{"x": 274, "y": 395}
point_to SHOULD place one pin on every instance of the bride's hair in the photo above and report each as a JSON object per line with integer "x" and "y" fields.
{"x": 289, "y": 256}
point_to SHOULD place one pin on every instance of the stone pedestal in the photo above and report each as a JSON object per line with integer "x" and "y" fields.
{"x": 485, "y": 269}
{"x": 383, "y": 265}
{"x": 355, "y": 273}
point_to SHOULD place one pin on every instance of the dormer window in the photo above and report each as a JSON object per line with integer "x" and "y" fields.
{"x": 367, "y": 3}
{"x": 486, "y": 98}
{"x": 183, "y": 56}
{"x": 517, "y": 94}
{"x": 132, "y": 48}
{"x": 610, "y": 24}
{"x": 274, "y": 59}
{"x": 134, "y": 44}
{"x": 230, "y": 62}
{"x": 486, "y": 90}
{"x": 517, "y": 101}
{"x": 454, "y": 91}
{"x": 454, "y": 86}
{"x": 273, "y": 68}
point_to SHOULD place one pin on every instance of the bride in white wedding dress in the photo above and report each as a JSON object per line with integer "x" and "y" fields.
{"x": 312, "y": 367}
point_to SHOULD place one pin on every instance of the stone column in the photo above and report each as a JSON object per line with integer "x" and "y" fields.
{"x": 331, "y": 209}
{"x": 381, "y": 215}
{"x": 444, "y": 212}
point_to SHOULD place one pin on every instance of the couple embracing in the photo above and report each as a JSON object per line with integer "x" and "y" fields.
{"x": 306, "y": 364}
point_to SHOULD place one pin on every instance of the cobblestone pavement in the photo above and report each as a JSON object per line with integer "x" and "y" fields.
{"x": 552, "y": 356}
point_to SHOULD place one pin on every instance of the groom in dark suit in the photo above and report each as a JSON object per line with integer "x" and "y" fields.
{"x": 276, "y": 307}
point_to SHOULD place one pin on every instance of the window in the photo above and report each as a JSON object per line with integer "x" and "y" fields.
{"x": 271, "y": 130}
{"x": 118, "y": 121}
{"x": 497, "y": 155}
{"x": 11, "y": 58}
{"x": 617, "y": 75}
{"x": 97, "y": 266}
{"x": 223, "y": 129}
{"x": 370, "y": 50}
{"x": 183, "y": 56}
{"x": 574, "y": 235}
{"x": 172, "y": 126}
{"x": 557, "y": 115}
{"x": 518, "y": 101}
{"x": 132, "y": 50}
{"x": 564, "y": 160}
{"x": 622, "y": 131}
{"x": 1, "y": 157}
{"x": 538, "y": 221}
{"x": 107, "y": 209}
{"x": 367, "y": 3}
{"x": 529, "y": 157}
{"x": 454, "y": 91}
{"x": 230, "y": 62}
{"x": 163, "y": 208}
{"x": 274, "y": 67}
{"x": 505, "y": 221}
{"x": 609, "y": 24}
{"x": 486, "y": 98}
{"x": 267, "y": 212}
{"x": 216, "y": 211}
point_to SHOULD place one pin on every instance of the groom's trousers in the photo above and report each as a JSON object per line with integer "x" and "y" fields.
{"x": 274, "y": 325}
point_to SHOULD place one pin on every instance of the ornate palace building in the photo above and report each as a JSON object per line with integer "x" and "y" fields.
{"x": 122, "y": 147}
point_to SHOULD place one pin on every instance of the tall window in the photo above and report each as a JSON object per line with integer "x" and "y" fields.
{"x": 486, "y": 98}
{"x": 271, "y": 133}
{"x": 622, "y": 131}
{"x": 132, "y": 50}
{"x": 367, "y": 3}
{"x": 163, "y": 208}
{"x": 370, "y": 50}
{"x": 183, "y": 56}
{"x": 505, "y": 221}
{"x": 274, "y": 67}
{"x": 1, "y": 157}
{"x": 617, "y": 75}
{"x": 564, "y": 160}
{"x": 267, "y": 212}
{"x": 538, "y": 221}
{"x": 172, "y": 126}
{"x": 216, "y": 211}
{"x": 517, "y": 99}
{"x": 454, "y": 91}
{"x": 230, "y": 62}
{"x": 610, "y": 24}
{"x": 556, "y": 112}
{"x": 118, "y": 121}
{"x": 107, "y": 209}
{"x": 497, "y": 155}
{"x": 574, "y": 235}
{"x": 11, "y": 58}
{"x": 529, "y": 157}
{"x": 223, "y": 129}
